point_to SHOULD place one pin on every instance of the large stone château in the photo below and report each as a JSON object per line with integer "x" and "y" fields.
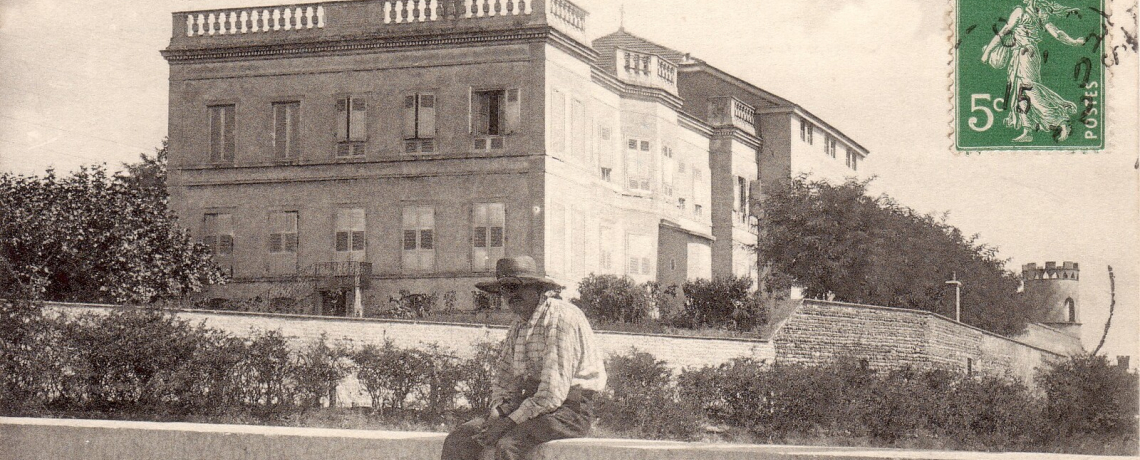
{"x": 335, "y": 154}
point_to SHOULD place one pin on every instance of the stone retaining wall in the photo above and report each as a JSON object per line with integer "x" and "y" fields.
{"x": 891, "y": 338}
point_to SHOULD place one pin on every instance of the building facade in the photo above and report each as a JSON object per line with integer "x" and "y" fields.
{"x": 340, "y": 155}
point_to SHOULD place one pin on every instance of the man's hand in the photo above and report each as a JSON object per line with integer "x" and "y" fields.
{"x": 493, "y": 430}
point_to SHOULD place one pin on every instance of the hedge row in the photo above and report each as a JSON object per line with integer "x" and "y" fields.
{"x": 147, "y": 363}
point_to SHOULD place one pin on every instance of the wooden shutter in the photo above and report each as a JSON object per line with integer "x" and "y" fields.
{"x": 294, "y": 130}
{"x": 513, "y": 111}
{"x": 342, "y": 119}
{"x": 482, "y": 113}
{"x": 358, "y": 120}
{"x": 228, "y": 133}
{"x": 425, "y": 120}
{"x": 557, "y": 121}
{"x": 578, "y": 130}
{"x": 410, "y": 116}
{"x": 280, "y": 131}
{"x": 215, "y": 114}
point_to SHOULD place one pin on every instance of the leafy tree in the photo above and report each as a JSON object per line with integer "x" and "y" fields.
{"x": 1087, "y": 395}
{"x": 95, "y": 237}
{"x": 838, "y": 243}
{"x": 615, "y": 299}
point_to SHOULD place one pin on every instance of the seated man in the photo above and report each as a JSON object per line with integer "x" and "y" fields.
{"x": 546, "y": 376}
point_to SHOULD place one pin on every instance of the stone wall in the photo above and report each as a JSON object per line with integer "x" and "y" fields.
{"x": 891, "y": 338}
{"x": 679, "y": 352}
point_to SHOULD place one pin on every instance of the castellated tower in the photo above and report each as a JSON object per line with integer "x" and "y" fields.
{"x": 1054, "y": 287}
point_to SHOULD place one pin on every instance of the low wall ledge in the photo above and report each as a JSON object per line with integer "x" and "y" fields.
{"x": 66, "y": 439}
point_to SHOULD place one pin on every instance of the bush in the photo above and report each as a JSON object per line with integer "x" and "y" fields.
{"x": 268, "y": 374}
{"x": 390, "y": 373}
{"x": 642, "y": 401}
{"x": 444, "y": 373}
{"x": 319, "y": 369}
{"x": 478, "y": 376}
{"x": 722, "y": 302}
{"x": 25, "y": 357}
{"x": 610, "y": 298}
{"x": 1087, "y": 395}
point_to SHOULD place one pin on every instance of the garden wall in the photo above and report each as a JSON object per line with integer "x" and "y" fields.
{"x": 679, "y": 352}
{"x": 891, "y": 338}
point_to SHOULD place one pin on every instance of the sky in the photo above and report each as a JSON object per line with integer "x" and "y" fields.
{"x": 82, "y": 82}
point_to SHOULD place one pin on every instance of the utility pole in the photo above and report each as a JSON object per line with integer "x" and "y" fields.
{"x": 957, "y": 296}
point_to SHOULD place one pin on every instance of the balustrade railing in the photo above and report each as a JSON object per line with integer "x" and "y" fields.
{"x": 730, "y": 111}
{"x": 255, "y": 20}
{"x": 410, "y": 11}
{"x": 646, "y": 69}
{"x": 346, "y": 18}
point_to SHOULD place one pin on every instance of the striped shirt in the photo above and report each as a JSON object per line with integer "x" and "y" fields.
{"x": 556, "y": 348}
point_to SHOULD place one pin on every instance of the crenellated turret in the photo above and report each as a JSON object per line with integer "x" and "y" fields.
{"x": 1055, "y": 288}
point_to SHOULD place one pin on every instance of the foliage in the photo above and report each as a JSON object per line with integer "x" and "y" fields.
{"x": 320, "y": 367}
{"x": 838, "y": 243}
{"x": 478, "y": 376}
{"x": 1085, "y": 395}
{"x": 641, "y": 399}
{"x": 390, "y": 373}
{"x": 444, "y": 373}
{"x": 410, "y": 305}
{"x": 619, "y": 299}
{"x": 721, "y": 302}
{"x": 92, "y": 237}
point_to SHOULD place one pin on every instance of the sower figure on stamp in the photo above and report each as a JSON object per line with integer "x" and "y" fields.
{"x": 548, "y": 372}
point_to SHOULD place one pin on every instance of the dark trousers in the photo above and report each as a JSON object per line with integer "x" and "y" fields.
{"x": 571, "y": 420}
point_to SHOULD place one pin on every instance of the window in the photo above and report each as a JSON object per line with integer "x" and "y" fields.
{"x": 852, "y": 160}
{"x": 578, "y": 130}
{"x": 419, "y": 123}
{"x": 667, "y": 168}
{"x": 681, "y": 204}
{"x": 222, "y": 133}
{"x": 606, "y": 174}
{"x": 351, "y": 126}
{"x": 557, "y": 120}
{"x": 218, "y": 235}
{"x": 283, "y": 242}
{"x": 488, "y": 223}
{"x": 419, "y": 238}
{"x": 829, "y": 146}
{"x": 606, "y": 256}
{"x": 806, "y": 132}
{"x": 637, "y": 165}
{"x": 640, "y": 254}
{"x": 286, "y": 129}
{"x": 969, "y": 366}
{"x": 605, "y": 147}
{"x": 698, "y": 210}
{"x": 283, "y": 232}
{"x": 740, "y": 203}
{"x": 350, "y": 234}
{"x": 1070, "y": 310}
{"x": 494, "y": 113}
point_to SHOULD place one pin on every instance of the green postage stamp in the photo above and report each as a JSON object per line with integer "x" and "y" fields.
{"x": 1029, "y": 75}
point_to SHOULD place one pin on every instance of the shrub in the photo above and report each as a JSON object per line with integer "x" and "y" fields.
{"x": 478, "y": 376}
{"x": 26, "y": 364}
{"x": 267, "y": 374}
{"x": 390, "y": 373}
{"x": 1086, "y": 395}
{"x": 444, "y": 371}
{"x": 642, "y": 400}
{"x": 610, "y": 298}
{"x": 319, "y": 368}
{"x": 722, "y": 302}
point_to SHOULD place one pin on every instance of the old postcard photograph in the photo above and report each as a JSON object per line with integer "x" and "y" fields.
{"x": 508, "y": 229}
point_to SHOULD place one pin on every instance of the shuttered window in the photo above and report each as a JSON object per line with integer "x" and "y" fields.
{"x": 283, "y": 232}
{"x": 418, "y": 238}
{"x": 351, "y": 126}
{"x": 638, "y": 164}
{"x": 494, "y": 113}
{"x": 218, "y": 235}
{"x": 350, "y": 234}
{"x": 639, "y": 253}
{"x": 488, "y": 235}
{"x": 419, "y": 122}
{"x": 286, "y": 130}
{"x": 222, "y": 144}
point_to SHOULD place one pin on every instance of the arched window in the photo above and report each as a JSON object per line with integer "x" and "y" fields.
{"x": 1071, "y": 310}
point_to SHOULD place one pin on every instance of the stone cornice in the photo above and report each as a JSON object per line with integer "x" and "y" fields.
{"x": 737, "y": 134}
{"x": 359, "y": 44}
{"x": 629, "y": 91}
{"x": 693, "y": 123}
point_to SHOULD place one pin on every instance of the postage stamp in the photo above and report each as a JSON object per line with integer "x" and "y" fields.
{"x": 1030, "y": 75}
